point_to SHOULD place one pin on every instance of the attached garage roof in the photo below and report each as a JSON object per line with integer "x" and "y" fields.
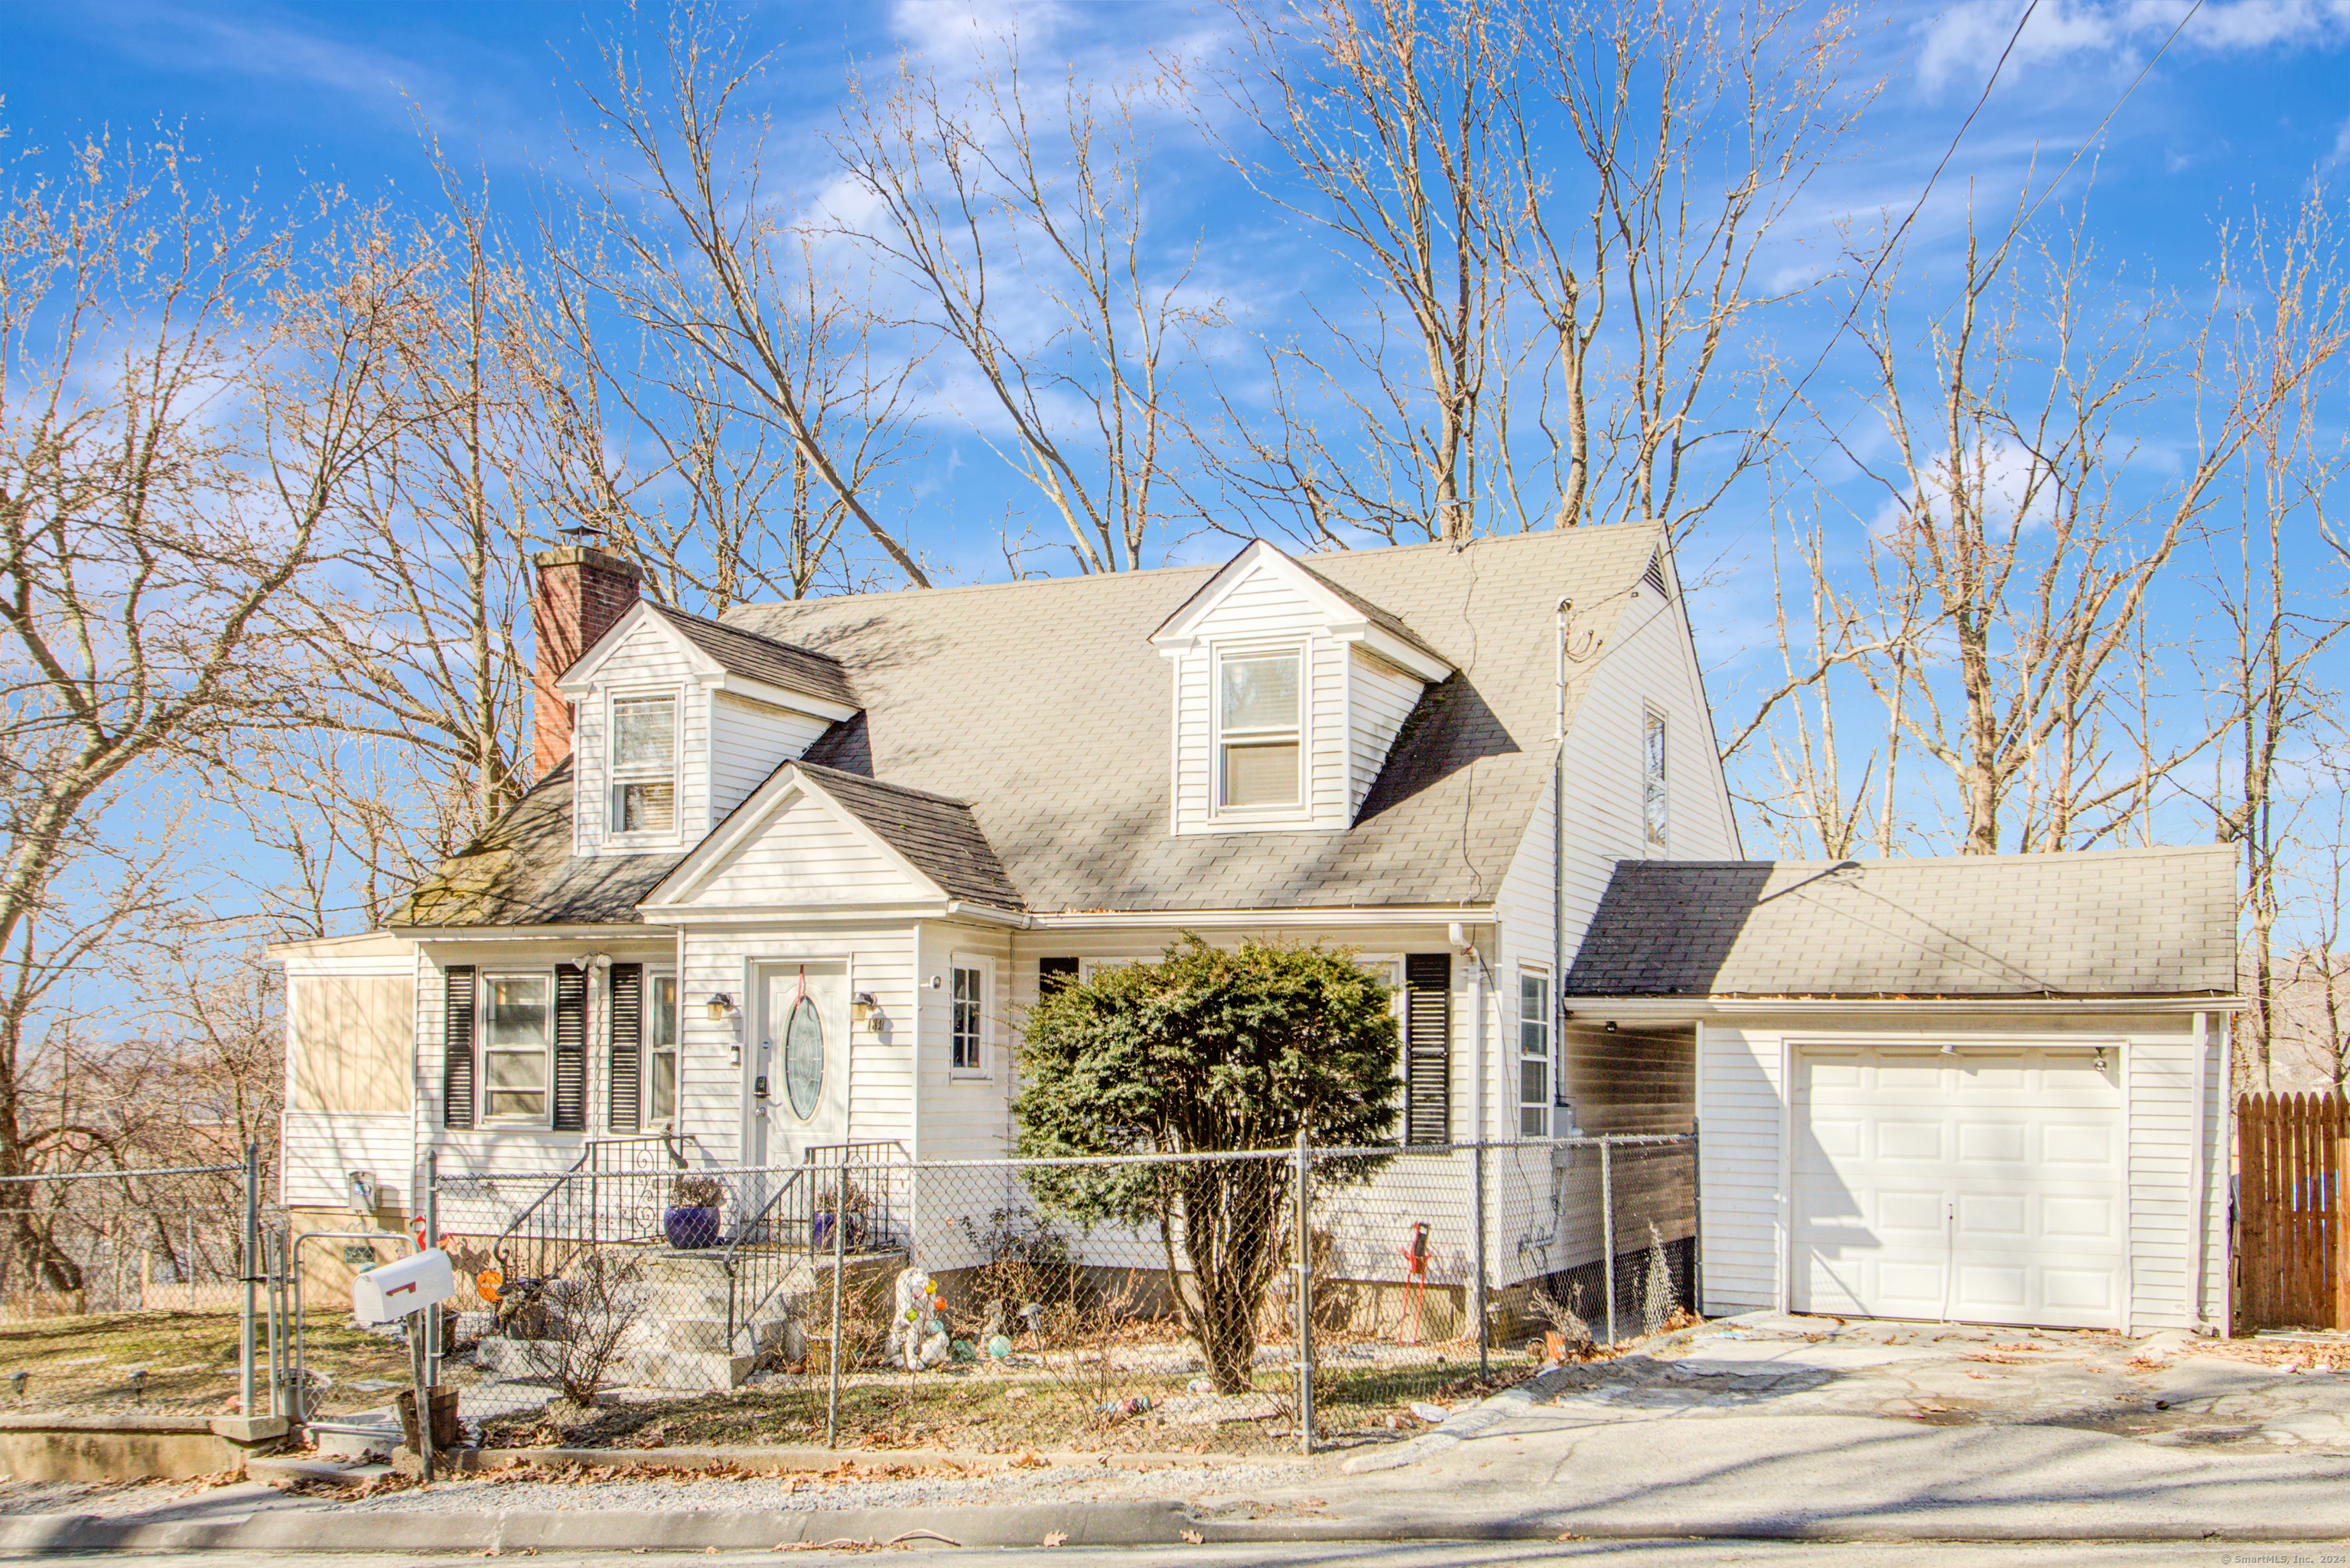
{"x": 2113, "y": 923}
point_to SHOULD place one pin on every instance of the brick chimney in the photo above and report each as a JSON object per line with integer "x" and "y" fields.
{"x": 581, "y": 592}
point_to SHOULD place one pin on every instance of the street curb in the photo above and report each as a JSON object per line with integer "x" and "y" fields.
{"x": 1497, "y": 1408}
{"x": 324, "y": 1530}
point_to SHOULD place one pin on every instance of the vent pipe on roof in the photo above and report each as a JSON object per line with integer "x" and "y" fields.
{"x": 581, "y": 592}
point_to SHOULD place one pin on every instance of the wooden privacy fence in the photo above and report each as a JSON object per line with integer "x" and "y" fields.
{"x": 2290, "y": 1162}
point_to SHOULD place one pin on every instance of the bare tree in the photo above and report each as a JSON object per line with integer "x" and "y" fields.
{"x": 180, "y": 406}
{"x": 412, "y": 634}
{"x": 703, "y": 260}
{"x": 1021, "y": 226}
{"x": 1556, "y": 209}
{"x": 2271, "y": 702}
{"x": 2018, "y": 542}
{"x": 733, "y": 509}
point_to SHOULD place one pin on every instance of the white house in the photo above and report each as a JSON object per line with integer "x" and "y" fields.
{"x": 792, "y": 879}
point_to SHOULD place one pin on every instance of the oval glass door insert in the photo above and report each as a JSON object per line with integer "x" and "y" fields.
{"x": 804, "y": 1059}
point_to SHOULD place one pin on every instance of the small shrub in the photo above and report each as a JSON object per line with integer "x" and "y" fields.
{"x": 600, "y": 1301}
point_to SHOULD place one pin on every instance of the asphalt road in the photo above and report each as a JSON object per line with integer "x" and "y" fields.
{"x": 1639, "y": 1554}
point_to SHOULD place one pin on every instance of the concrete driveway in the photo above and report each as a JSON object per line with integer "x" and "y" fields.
{"x": 1774, "y": 1425}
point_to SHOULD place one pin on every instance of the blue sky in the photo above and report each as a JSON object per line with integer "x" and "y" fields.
{"x": 2248, "y": 108}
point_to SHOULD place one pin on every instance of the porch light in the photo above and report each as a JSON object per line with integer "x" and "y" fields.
{"x": 862, "y": 1006}
{"x": 721, "y": 1007}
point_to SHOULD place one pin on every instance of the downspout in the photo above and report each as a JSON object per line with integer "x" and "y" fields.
{"x": 1558, "y": 845}
{"x": 2199, "y": 1176}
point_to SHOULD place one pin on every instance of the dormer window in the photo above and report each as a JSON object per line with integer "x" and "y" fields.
{"x": 644, "y": 765}
{"x": 1259, "y": 722}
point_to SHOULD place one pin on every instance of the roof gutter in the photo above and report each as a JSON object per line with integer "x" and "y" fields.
{"x": 1687, "y": 1008}
{"x": 1327, "y": 915}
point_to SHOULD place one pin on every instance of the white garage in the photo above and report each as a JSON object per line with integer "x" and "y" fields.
{"x": 1989, "y": 1089}
{"x": 1987, "y": 1184}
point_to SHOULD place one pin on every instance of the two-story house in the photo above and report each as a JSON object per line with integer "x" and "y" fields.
{"x": 792, "y": 879}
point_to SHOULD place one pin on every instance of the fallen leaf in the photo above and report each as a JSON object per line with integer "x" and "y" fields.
{"x": 1192, "y": 1538}
{"x": 1055, "y": 1538}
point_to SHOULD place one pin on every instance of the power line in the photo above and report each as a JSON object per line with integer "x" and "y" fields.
{"x": 1894, "y": 243}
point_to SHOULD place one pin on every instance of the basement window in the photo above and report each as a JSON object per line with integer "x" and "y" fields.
{"x": 644, "y": 765}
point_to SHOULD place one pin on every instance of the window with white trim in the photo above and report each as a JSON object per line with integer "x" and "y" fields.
{"x": 643, "y": 763}
{"x": 517, "y": 1020}
{"x": 1534, "y": 1054}
{"x": 1653, "y": 800}
{"x": 967, "y": 1017}
{"x": 661, "y": 1049}
{"x": 1260, "y": 720}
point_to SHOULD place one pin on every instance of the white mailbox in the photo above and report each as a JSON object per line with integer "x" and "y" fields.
{"x": 391, "y": 1291}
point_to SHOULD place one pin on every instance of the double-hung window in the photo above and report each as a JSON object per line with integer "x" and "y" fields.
{"x": 644, "y": 765}
{"x": 518, "y": 1015}
{"x": 1652, "y": 782}
{"x": 1534, "y": 1054}
{"x": 967, "y": 1018}
{"x": 1259, "y": 712}
{"x": 661, "y": 1049}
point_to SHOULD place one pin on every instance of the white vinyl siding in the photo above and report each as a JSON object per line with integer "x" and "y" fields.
{"x": 806, "y": 854}
{"x": 1264, "y": 614}
{"x": 319, "y": 1149}
{"x": 1383, "y": 698}
{"x": 749, "y": 741}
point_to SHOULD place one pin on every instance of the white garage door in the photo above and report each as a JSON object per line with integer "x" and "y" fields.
{"x": 1982, "y": 1185}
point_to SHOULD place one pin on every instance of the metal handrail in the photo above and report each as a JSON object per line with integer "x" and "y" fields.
{"x": 672, "y": 1141}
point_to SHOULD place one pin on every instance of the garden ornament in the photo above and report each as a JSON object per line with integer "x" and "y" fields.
{"x": 918, "y": 1333}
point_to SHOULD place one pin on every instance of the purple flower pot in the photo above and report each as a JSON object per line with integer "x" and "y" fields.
{"x": 689, "y": 1227}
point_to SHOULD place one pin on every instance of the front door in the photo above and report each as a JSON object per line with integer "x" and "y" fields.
{"x": 796, "y": 1073}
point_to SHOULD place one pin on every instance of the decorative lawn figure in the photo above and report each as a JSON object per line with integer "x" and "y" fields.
{"x": 1202, "y": 1052}
{"x": 917, "y": 1334}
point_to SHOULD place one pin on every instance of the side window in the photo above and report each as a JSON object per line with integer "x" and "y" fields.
{"x": 1534, "y": 1054}
{"x": 967, "y": 1016}
{"x": 644, "y": 765}
{"x": 660, "y": 1048}
{"x": 1652, "y": 782}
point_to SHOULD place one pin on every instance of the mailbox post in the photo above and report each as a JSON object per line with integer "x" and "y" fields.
{"x": 405, "y": 1290}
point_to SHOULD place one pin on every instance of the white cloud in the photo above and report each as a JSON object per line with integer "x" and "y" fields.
{"x": 1962, "y": 42}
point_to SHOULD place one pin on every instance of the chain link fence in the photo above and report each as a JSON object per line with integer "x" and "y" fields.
{"x": 1173, "y": 1302}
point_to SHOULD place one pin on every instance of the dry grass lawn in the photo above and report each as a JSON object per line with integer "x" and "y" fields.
{"x": 83, "y": 1363}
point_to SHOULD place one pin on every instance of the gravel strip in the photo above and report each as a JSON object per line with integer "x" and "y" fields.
{"x": 605, "y": 1492}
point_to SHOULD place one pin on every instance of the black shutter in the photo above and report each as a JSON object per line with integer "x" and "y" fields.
{"x": 457, "y": 1046}
{"x": 1427, "y": 1047}
{"x": 1053, "y": 973}
{"x": 628, "y": 1041}
{"x": 570, "y": 1048}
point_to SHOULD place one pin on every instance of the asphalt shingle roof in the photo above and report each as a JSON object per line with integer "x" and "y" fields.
{"x": 1045, "y": 705}
{"x": 522, "y": 873}
{"x": 1034, "y": 718}
{"x": 2132, "y": 922}
{"x": 938, "y": 836}
{"x": 762, "y": 658}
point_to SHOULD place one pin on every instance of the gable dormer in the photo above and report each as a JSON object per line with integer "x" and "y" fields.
{"x": 678, "y": 718}
{"x": 1288, "y": 691}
